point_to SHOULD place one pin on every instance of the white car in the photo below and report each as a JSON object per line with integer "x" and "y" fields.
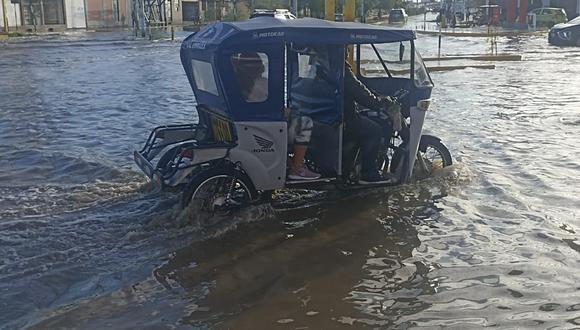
{"x": 277, "y": 13}
{"x": 398, "y": 15}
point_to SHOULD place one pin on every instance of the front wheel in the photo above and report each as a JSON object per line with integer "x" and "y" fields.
{"x": 433, "y": 152}
{"x": 212, "y": 195}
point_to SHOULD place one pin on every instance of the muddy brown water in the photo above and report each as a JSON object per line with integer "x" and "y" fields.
{"x": 491, "y": 241}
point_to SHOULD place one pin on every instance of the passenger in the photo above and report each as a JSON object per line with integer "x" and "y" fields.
{"x": 361, "y": 129}
{"x": 249, "y": 69}
{"x": 308, "y": 102}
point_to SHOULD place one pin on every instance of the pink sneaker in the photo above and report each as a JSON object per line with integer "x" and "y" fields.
{"x": 303, "y": 173}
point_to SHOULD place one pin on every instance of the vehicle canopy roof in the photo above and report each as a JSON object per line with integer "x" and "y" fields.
{"x": 215, "y": 86}
{"x": 262, "y": 30}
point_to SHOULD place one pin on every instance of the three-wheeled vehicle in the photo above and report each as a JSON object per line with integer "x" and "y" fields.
{"x": 236, "y": 153}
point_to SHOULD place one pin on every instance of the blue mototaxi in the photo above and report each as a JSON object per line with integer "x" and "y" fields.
{"x": 238, "y": 149}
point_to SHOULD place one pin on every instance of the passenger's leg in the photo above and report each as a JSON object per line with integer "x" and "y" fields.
{"x": 299, "y": 154}
{"x": 301, "y": 126}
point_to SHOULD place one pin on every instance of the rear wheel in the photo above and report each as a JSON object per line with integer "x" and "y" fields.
{"x": 212, "y": 195}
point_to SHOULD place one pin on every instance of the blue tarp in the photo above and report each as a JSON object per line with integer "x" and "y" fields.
{"x": 262, "y": 30}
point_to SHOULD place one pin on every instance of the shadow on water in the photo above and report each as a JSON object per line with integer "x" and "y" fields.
{"x": 344, "y": 260}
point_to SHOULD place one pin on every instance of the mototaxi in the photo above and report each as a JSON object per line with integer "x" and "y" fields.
{"x": 237, "y": 150}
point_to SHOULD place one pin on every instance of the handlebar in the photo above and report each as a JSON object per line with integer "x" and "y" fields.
{"x": 399, "y": 94}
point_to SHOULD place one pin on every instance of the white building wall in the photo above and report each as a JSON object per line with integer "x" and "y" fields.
{"x": 75, "y": 14}
{"x": 13, "y": 14}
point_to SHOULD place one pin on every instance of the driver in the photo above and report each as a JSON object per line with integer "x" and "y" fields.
{"x": 362, "y": 129}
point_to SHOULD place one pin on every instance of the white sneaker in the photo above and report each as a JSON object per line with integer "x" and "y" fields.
{"x": 303, "y": 173}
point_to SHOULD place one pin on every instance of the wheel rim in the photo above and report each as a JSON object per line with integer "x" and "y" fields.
{"x": 434, "y": 159}
{"x": 208, "y": 201}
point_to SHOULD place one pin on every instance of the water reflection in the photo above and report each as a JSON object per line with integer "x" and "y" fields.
{"x": 313, "y": 274}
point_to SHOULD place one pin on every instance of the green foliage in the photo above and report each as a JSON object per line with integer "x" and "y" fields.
{"x": 390, "y": 4}
{"x": 271, "y": 4}
{"x": 316, "y": 7}
{"x": 210, "y": 14}
{"x": 311, "y": 8}
{"x": 242, "y": 11}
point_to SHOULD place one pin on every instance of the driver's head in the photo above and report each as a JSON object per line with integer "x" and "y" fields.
{"x": 319, "y": 59}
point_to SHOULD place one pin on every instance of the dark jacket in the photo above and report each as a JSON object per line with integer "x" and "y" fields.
{"x": 356, "y": 92}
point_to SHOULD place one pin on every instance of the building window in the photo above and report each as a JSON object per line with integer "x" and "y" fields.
{"x": 42, "y": 12}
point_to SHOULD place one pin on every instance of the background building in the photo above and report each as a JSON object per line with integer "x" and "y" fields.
{"x": 108, "y": 13}
{"x": 44, "y": 15}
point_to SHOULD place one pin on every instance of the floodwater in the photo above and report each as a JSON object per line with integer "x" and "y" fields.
{"x": 84, "y": 243}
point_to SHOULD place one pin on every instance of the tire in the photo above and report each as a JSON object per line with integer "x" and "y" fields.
{"x": 205, "y": 195}
{"x": 435, "y": 153}
{"x": 396, "y": 160}
{"x": 431, "y": 149}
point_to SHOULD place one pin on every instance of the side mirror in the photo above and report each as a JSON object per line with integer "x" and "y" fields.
{"x": 401, "y": 51}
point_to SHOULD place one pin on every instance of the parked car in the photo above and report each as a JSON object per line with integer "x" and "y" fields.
{"x": 277, "y": 13}
{"x": 398, "y": 15}
{"x": 549, "y": 16}
{"x": 565, "y": 34}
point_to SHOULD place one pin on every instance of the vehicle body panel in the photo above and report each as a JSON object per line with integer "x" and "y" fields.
{"x": 259, "y": 150}
{"x": 565, "y": 34}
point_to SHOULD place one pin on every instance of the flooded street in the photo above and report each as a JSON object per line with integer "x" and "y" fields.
{"x": 84, "y": 243}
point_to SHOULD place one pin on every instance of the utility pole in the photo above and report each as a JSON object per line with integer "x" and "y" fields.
{"x": 5, "y": 16}
{"x": 329, "y": 10}
{"x": 348, "y": 12}
{"x": 141, "y": 6}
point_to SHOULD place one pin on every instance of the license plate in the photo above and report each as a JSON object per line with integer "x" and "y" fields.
{"x": 221, "y": 130}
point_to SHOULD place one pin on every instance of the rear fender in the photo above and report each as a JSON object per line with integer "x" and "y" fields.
{"x": 423, "y": 146}
{"x": 182, "y": 165}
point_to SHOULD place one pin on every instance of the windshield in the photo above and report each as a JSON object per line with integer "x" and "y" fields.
{"x": 575, "y": 20}
{"x": 385, "y": 60}
{"x": 422, "y": 78}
